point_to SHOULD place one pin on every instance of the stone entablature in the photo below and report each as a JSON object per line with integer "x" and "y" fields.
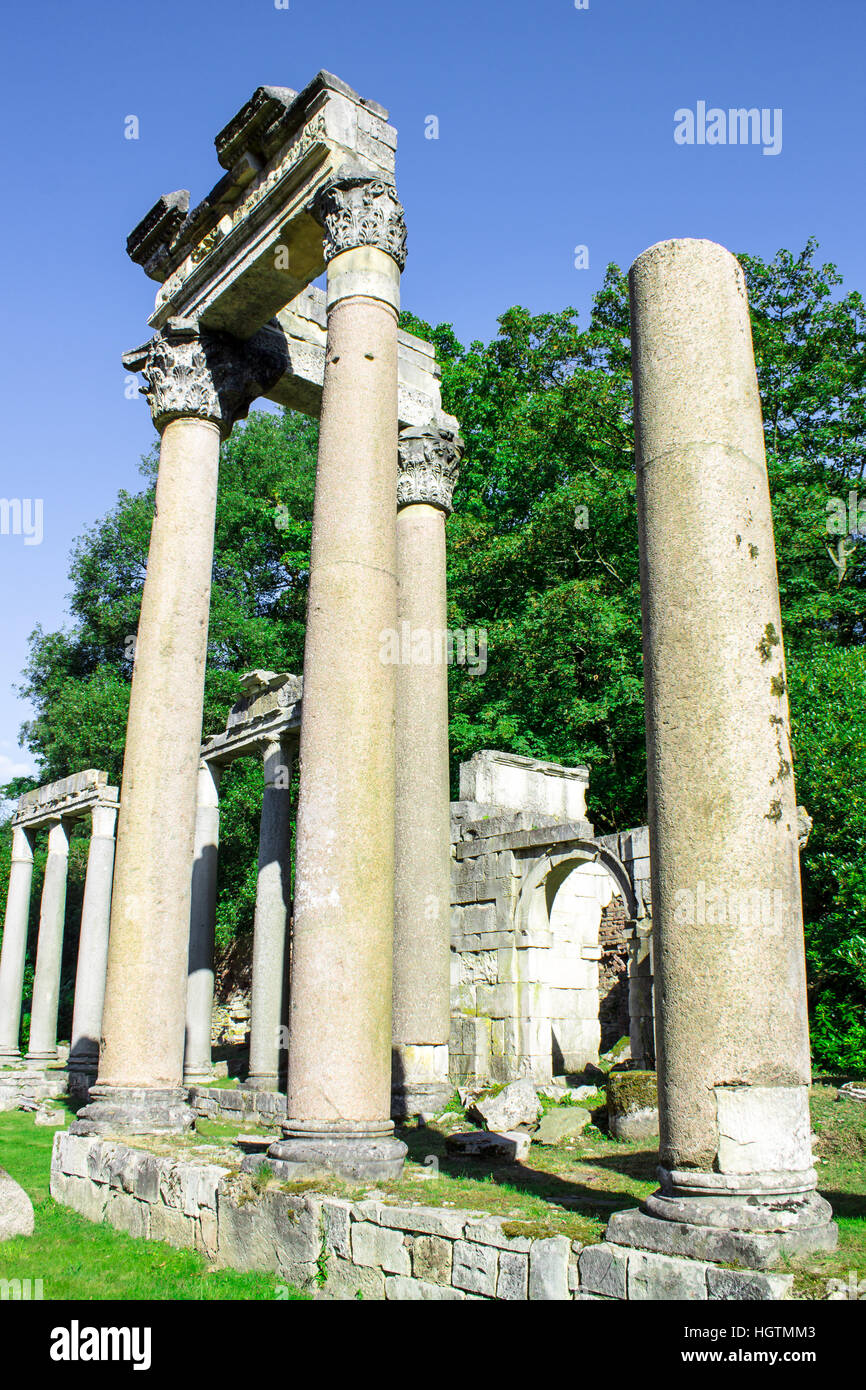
{"x": 66, "y": 799}
{"x": 370, "y": 1247}
{"x": 269, "y": 710}
{"x": 515, "y": 783}
{"x": 221, "y": 263}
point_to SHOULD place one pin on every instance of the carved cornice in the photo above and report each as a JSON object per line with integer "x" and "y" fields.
{"x": 358, "y": 210}
{"x": 428, "y": 466}
{"x": 198, "y": 373}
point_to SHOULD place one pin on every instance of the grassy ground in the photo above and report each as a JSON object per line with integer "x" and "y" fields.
{"x": 569, "y": 1190}
{"x": 76, "y": 1259}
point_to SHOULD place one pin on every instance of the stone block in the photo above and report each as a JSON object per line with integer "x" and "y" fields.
{"x": 475, "y": 1268}
{"x": 510, "y": 1147}
{"x": 378, "y": 1247}
{"x": 512, "y": 1285}
{"x": 126, "y": 1213}
{"x": 16, "y": 1209}
{"x": 405, "y": 1290}
{"x": 747, "y": 1285}
{"x": 170, "y": 1225}
{"x": 603, "y": 1270}
{"x": 430, "y": 1221}
{"x": 560, "y": 1125}
{"x": 267, "y": 1234}
{"x": 347, "y": 1281}
{"x": 488, "y": 1231}
{"x": 146, "y": 1179}
{"x": 663, "y": 1278}
{"x": 548, "y": 1269}
{"x": 431, "y": 1259}
{"x": 337, "y": 1219}
{"x": 207, "y": 1235}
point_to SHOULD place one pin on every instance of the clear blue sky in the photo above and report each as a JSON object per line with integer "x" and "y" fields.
{"x": 556, "y": 129}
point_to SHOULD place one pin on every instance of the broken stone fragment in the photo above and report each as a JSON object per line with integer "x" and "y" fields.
{"x": 512, "y": 1146}
{"x": 558, "y": 1125}
{"x": 515, "y": 1106}
{"x": 16, "y": 1209}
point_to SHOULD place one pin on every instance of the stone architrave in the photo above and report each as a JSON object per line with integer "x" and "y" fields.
{"x": 15, "y": 945}
{"x": 49, "y": 951}
{"x": 199, "y": 383}
{"x": 339, "y": 1078}
{"x": 428, "y": 464}
{"x": 197, "y": 1065}
{"x": 93, "y": 945}
{"x": 733, "y": 1046}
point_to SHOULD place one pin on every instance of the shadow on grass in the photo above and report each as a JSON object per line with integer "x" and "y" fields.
{"x": 571, "y": 1194}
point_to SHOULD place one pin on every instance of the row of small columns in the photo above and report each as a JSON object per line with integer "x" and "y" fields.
{"x": 92, "y": 947}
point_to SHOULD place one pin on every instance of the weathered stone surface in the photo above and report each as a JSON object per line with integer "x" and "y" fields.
{"x": 432, "y": 1258}
{"x": 477, "y": 1144}
{"x": 474, "y": 1268}
{"x": 347, "y": 1281}
{"x": 632, "y": 1104}
{"x": 16, "y": 1209}
{"x": 548, "y": 1269}
{"x": 170, "y": 1225}
{"x": 125, "y": 1213}
{"x": 603, "y": 1270}
{"x": 513, "y": 1281}
{"x": 336, "y": 1217}
{"x": 272, "y": 1232}
{"x": 430, "y": 1221}
{"x": 748, "y": 1285}
{"x": 663, "y": 1278}
{"x": 416, "y": 1290}
{"x": 851, "y": 1091}
{"x": 516, "y": 1105}
{"x": 378, "y": 1247}
{"x": 558, "y": 1125}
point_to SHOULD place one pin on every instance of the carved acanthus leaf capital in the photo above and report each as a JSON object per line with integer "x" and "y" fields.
{"x": 428, "y": 465}
{"x": 357, "y": 210}
{"x": 206, "y": 375}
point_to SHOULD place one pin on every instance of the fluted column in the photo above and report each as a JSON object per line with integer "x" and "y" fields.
{"x": 737, "y": 1179}
{"x": 198, "y": 1065}
{"x": 270, "y": 934}
{"x": 339, "y": 1079}
{"x": 198, "y": 385}
{"x": 49, "y": 951}
{"x": 427, "y": 473}
{"x": 14, "y": 949}
{"x": 93, "y": 944}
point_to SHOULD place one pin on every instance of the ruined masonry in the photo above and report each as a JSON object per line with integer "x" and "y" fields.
{"x": 494, "y": 939}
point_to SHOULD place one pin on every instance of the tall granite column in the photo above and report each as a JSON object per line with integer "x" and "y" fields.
{"x": 270, "y": 931}
{"x": 737, "y": 1180}
{"x": 15, "y": 945}
{"x": 198, "y": 385}
{"x": 428, "y": 466}
{"x": 93, "y": 947}
{"x": 198, "y": 1065}
{"x": 49, "y": 951}
{"x": 339, "y": 1081}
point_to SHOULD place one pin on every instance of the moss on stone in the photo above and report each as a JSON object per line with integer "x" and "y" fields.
{"x": 628, "y": 1091}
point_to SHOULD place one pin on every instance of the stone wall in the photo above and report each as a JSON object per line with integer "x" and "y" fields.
{"x": 339, "y": 1249}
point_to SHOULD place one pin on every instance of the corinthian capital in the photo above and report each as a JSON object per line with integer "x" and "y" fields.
{"x": 199, "y": 373}
{"x": 357, "y": 210}
{"x": 428, "y": 465}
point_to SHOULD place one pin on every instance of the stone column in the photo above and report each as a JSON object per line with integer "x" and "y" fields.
{"x": 93, "y": 947}
{"x": 15, "y": 945}
{"x": 198, "y": 1066}
{"x": 198, "y": 385}
{"x": 339, "y": 1082}
{"x": 49, "y": 951}
{"x": 268, "y": 1014}
{"x": 737, "y": 1181}
{"x": 428, "y": 466}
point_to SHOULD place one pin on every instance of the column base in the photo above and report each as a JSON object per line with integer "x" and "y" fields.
{"x": 754, "y": 1231}
{"x": 11, "y": 1057}
{"x": 198, "y": 1076}
{"x": 38, "y": 1061}
{"x": 367, "y": 1153}
{"x": 264, "y": 1081}
{"x": 135, "y": 1110}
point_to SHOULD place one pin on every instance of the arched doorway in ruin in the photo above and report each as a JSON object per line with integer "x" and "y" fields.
{"x": 577, "y": 905}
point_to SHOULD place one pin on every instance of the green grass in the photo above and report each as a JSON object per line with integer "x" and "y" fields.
{"x": 76, "y": 1259}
